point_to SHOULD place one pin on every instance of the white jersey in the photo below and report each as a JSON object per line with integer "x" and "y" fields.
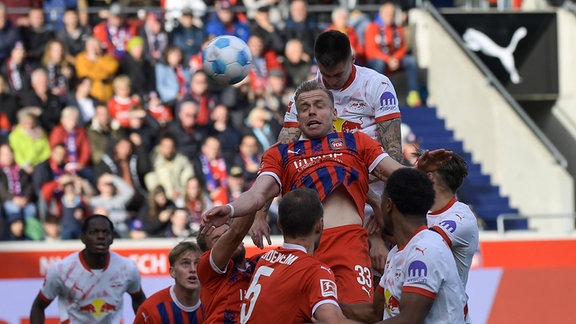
{"x": 425, "y": 266}
{"x": 367, "y": 99}
{"x": 459, "y": 228}
{"x": 90, "y": 296}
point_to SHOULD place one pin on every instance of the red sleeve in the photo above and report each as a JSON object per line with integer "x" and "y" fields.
{"x": 272, "y": 161}
{"x": 322, "y": 286}
{"x": 101, "y": 34}
{"x": 207, "y": 275}
{"x": 84, "y": 148}
{"x": 272, "y": 61}
{"x": 56, "y": 135}
{"x": 372, "y": 49}
{"x": 355, "y": 42}
{"x": 48, "y": 189}
{"x": 370, "y": 148}
{"x": 400, "y": 52}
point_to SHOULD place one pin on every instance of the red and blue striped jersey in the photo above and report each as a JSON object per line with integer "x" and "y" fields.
{"x": 324, "y": 164}
{"x": 164, "y": 308}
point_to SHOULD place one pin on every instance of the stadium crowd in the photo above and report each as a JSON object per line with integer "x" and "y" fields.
{"x": 113, "y": 114}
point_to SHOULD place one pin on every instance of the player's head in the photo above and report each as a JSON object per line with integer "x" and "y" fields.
{"x": 451, "y": 174}
{"x": 300, "y": 214}
{"x": 183, "y": 260}
{"x": 314, "y": 109}
{"x": 206, "y": 242}
{"x": 334, "y": 57}
{"x": 97, "y": 234}
{"x": 409, "y": 194}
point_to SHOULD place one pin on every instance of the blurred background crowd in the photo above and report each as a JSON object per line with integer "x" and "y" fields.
{"x": 105, "y": 108}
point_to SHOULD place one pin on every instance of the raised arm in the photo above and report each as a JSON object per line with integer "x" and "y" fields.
{"x": 225, "y": 246}
{"x": 429, "y": 161}
{"x": 389, "y": 136}
{"x": 264, "y": 188}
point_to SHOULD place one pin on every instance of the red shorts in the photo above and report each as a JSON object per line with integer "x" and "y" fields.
{"x": 345, "y": 250}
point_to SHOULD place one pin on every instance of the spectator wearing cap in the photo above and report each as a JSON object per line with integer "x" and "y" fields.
{"x": 36, "y": 35}
{"x": 175, "y": 9}
{"x": 274, "y": 7}
{"x": 296, "y": 64}
{"x": 16, "y": 69}
{"x": 263, "y": 26}
{"x": 226, "y": 22}
{"x": 236, "y": 183}
{"x": 114, "y": 33}
{"x": 154, "y": 36}
{"x": 189, "y": 35}
{"x": 138, "y": 68}
{"x": 9, "y": 34}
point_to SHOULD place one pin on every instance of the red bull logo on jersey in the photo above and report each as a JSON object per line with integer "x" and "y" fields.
{"x": 98, "y": 308}
{"x": 348, "y": 126}
{"x": 392, "y": 304}
{"x": 328, "y": 288}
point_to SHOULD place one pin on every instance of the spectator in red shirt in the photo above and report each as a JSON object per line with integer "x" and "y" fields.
{"x": 386, "y": 50}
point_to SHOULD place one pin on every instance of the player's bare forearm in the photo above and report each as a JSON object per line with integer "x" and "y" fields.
{"x": 289, "y": 134}
{"x": 37, "y": 315}
{"x": 137, "y": 300}
{"x": 363, "y": 312}
{"x": 389, "y": 135}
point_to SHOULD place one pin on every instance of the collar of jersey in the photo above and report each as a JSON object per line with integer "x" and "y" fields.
{"x": 420, "y": 229}
{"x": 85, "y": 265}
{"x": 290, "y": 246}
{"x": 445, "y": 208}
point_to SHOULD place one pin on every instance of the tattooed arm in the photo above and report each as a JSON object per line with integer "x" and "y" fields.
{"x": 388, "y": 133}
{"x": 289, "y": 134}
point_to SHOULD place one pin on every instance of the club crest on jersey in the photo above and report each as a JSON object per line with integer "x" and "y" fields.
{"x": 336, "y": 143}
{"x": 328, "y": 288}
{"x": 357, "y": 106}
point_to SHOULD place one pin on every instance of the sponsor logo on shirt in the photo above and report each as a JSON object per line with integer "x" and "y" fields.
{"x": 448, "y": 225}
{"x": 328, "y": 288}
{"x": 388, "y": 99}
{"x": 98, "y": 308}
{"x": 417, "y": 272}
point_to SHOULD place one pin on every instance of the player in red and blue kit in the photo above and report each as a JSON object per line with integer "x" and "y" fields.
{"x": 337, "y": 166}
{"x": 179, "y": 303}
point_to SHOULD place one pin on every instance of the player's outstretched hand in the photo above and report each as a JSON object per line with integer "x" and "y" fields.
{"x": 259, "y": 230}
{"x": 215, "y": 217}
{"x": 430, "y": 161}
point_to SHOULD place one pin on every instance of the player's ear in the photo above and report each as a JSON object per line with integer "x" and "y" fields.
{"x": 172, "y": 272}
{"x": 319, "y": 226}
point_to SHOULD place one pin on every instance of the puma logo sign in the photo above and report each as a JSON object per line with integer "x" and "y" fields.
{"x": 479, "y": 42}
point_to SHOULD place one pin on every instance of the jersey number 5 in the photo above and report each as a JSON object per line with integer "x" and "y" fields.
{"x": 253, "y": 292}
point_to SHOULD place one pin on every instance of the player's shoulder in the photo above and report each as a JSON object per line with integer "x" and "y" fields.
{"x": 118, "y": 260}
{"x": 71, "y": 261}
{"x": 371, "y": 76}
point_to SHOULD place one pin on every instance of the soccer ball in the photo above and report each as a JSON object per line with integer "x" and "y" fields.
{"x": 227, "y": 60}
